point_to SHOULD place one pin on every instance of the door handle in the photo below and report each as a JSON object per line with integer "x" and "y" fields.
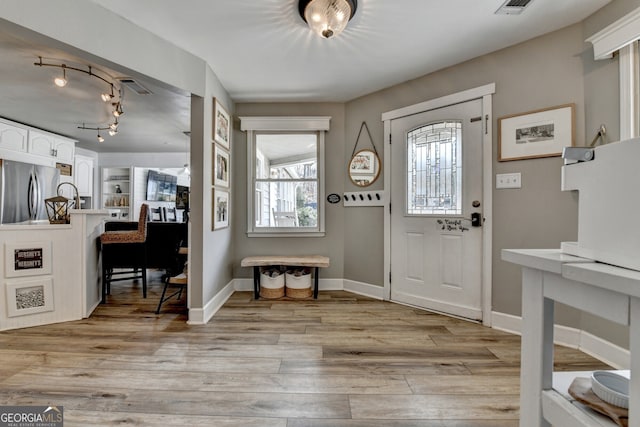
{"x": 476, "y": 219}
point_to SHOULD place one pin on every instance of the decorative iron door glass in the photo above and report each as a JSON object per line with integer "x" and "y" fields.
{"x": 286, "y": 192}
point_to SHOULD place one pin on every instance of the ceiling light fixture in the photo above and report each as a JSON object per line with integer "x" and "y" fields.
{"x": 61, "y": 81}
{"x": 106, "y": 96}
{"x": 118, "y": 110}
{"x": 327, "y": 18}
{"x": 100, "y": 138}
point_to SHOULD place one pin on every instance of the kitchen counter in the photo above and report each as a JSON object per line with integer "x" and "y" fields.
{"x": 51, "y": 272}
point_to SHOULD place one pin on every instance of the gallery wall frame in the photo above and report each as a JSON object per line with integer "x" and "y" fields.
{"x": 221, "y": 166}
{"x": 536, "y": 134}
{"x": 220, "y": 211}
{"x": 221, "y": 125}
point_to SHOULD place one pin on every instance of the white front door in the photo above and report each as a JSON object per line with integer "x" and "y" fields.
{"x": 436, "y": 189}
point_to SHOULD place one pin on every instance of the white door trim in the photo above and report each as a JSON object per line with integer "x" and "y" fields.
{"x": 482, "y": 92}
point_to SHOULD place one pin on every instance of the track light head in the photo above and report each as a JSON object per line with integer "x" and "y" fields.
{"x": 114, "y": 125}
{"x": 106, "y": 97}
{"x": 113, "y": 132}
{"x": 100, "y": 138}
{"x": 61, "y": 81}
{"x": 118, "y": 111}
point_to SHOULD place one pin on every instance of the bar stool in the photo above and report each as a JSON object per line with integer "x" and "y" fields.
{"x": 173, "y": 278}
{"x": 125, "y": 250}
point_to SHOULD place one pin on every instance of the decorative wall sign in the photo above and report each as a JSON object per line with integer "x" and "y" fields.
{"x": 539, "y": 133}
{"x": 27, "y": 259}
{"x": 29, "y": 297}
{"x": 333, "y": 198}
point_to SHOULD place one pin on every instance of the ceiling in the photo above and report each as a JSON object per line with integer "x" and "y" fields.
{"x": 263, "y": 51}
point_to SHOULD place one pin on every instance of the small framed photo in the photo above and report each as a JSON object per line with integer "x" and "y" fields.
{"x": 220, "y": 209}
{"x": 221, "y": 125}
{"x": 29, "y": 296}
{"x": 535, "y": 134}
{"x": 220, "y": 166}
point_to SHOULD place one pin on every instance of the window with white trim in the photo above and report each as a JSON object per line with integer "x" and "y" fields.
{"x": 285, "y": 165}
{"x": 622, "y": 37}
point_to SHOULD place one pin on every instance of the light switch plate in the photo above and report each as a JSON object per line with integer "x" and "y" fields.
{"x": 509, "y": 180}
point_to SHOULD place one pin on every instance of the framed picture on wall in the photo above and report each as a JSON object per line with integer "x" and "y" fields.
{"x": 535, "y": 134}
{"x": 221, "y": 125}
{"x": 220, "y": 209}
{"x": 220, "y": 166}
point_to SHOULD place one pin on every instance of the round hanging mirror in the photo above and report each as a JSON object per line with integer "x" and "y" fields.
{"x": 364, "y": 168}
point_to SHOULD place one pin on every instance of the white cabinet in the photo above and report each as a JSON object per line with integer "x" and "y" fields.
{"x": 83, "y": 175}
{"x": 50, "y": 145}
{"x": 116, "y": 192}
{"x": 13, "y": 137}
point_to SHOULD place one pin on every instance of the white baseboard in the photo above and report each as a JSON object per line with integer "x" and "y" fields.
{"x": 200, "y": 316}
{"x": 609, "y": 353}
{"x": 365, "y": 289}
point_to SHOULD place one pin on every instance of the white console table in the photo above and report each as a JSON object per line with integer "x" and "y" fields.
{"x": 612, "y": 293}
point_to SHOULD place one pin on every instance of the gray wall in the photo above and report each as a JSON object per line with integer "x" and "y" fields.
{"x": 537, "y": 74}
{"x": 332, "y": 244}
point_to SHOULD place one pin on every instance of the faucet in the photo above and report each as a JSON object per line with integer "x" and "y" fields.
{"x": 76, "y": 198}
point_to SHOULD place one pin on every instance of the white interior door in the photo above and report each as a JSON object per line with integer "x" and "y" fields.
{"x": 436, "y": 189}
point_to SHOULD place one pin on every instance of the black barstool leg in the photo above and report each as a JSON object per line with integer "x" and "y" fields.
{"x": 164, "y": 291}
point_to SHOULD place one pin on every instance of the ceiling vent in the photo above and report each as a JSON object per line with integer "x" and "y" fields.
{"x": 513, "y": 7}
{"x": 135, "y": 86}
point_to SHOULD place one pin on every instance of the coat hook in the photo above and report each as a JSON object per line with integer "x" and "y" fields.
{"x": 377, "y": 196}
{"x": 361, "y": 198}
{"x": 369, "y": 196}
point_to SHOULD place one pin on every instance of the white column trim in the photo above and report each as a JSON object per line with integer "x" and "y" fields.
{"x": 628, "y": 64}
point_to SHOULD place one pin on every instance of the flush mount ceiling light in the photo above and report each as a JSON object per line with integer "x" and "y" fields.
{"x": 327, "y": 18}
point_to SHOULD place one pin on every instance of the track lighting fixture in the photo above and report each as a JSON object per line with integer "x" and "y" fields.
{"x": 100, "y": 138}
{"x": 61, "y": 81}
{"x": 107, "y": 96}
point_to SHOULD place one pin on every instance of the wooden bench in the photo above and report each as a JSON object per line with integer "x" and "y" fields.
{"x": 313, "y": 261}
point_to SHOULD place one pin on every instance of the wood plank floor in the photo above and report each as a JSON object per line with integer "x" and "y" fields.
{"x": 342, "y": 360}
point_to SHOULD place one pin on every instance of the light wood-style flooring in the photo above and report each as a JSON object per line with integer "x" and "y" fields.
{"x": 341, "y": 360}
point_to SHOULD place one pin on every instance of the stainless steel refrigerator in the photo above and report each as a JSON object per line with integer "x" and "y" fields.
{"x": 23, "y": 189}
